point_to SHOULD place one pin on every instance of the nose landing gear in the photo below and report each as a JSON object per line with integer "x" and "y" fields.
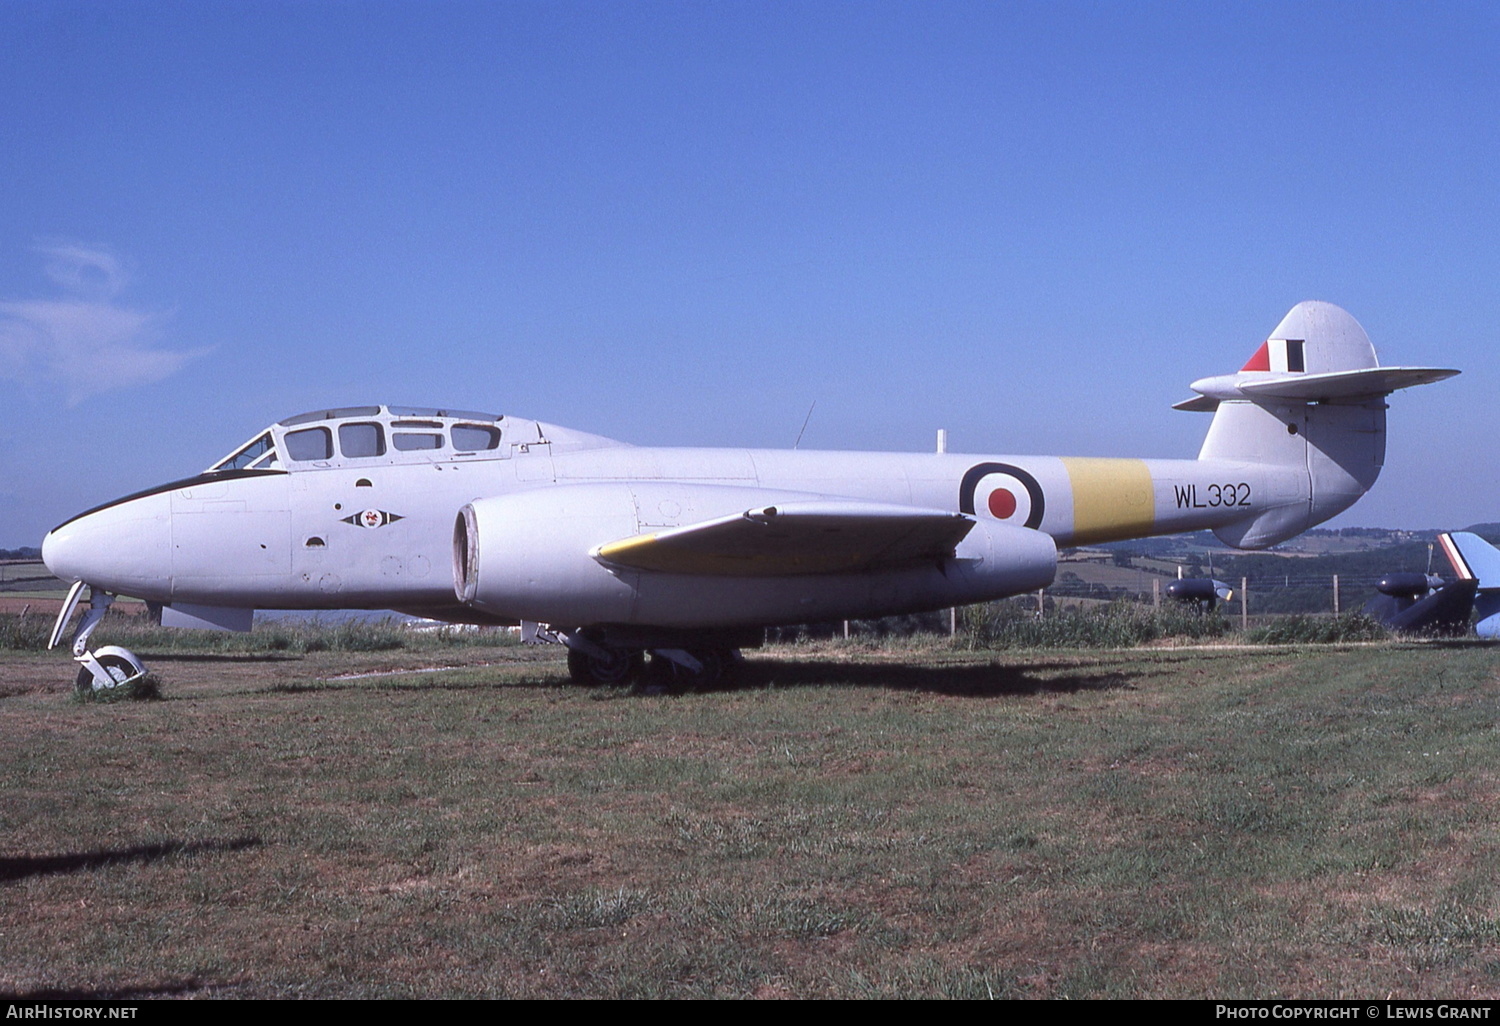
{"x": 110, "y": 666}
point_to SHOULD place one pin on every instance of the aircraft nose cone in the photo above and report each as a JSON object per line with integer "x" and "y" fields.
{"x": 125, "y": 547}
{"x": 56, "y": 555}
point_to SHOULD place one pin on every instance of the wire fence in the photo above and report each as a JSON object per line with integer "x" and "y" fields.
{"x": 1253, "y": 594}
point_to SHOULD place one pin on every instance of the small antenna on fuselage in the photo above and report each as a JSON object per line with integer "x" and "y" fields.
{"x": 804, "y": 424}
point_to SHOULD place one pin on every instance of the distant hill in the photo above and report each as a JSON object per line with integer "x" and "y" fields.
{"x": 1489, "y": 532}
{"x": 1319, "y": 541}
{"x": 26, "y": 552}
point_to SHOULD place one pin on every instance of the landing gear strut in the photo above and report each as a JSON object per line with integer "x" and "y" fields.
{"x": 110, "y": 666}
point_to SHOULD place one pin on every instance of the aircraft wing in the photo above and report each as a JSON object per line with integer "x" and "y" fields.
{"x": 795, "y": 538}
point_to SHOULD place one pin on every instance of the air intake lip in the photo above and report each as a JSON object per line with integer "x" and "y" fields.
{"x": 465, "y": 555}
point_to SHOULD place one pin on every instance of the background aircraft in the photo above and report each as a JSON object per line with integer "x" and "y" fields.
{"x": 688, "y": 554}
{"x": 1477, "y": 562}
{"x": 1426, "y": 604}
{"x": 1422, "y": 604}
{"x": 1203, "y": 592}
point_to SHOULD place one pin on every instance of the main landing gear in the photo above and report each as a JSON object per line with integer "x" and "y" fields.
{"x": 110, "y": 666}
{"x": 593, "y": 663}
{"x": 609, "y": 666}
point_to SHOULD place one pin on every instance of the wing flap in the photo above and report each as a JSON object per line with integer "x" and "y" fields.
{"x": 795, "y": 538}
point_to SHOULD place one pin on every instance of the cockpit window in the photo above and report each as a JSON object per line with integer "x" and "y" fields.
{"x": 309, "y": 444}
{"x": 423, "y": 411}
{"x": 474, "y": 437}
{"x": 347, "y": 411}
{"x": 357, "y": 441}
{"x": 412, "y": 441}
{"x": 390, "y": 434}
{"x": 256, "y": 454}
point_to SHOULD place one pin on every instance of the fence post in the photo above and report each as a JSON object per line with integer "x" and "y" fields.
{"x": 1156, "y": 593}
{"x": 1335, "y": 594}
{"x": 1244, "y": 603}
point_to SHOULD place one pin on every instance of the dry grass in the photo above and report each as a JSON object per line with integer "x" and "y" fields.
{"x": 852, "y": 821}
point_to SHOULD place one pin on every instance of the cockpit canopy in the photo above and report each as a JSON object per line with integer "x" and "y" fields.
{"x": 364, "y": 434}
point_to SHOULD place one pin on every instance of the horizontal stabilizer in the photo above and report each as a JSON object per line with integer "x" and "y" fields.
{"x": 1367, "y": 382}
{"x": 1361, "y": 383}
{"x": 795, "y": 538}
{"x": 1318, "y": 353}
{"x": 1197, "y": 404}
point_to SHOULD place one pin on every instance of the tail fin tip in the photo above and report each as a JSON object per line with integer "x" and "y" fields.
{"x": 1318, "y": 353}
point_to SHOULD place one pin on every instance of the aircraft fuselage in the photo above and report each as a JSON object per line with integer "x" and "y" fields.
{"x": 378, "y": 531}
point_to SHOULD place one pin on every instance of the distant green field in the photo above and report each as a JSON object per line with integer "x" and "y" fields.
{"x": 852, "y": 820}
{"x": 21, "y": 576}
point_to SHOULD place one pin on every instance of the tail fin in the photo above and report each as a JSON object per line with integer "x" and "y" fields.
{"x": 1310, "y": 401}
{"x": 1475, "y": 559}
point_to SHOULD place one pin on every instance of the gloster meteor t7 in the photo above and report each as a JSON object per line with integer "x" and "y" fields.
{"x": 618, "y": 551}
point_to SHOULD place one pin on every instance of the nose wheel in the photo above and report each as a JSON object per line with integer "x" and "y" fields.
{"x": 109, "y": 667}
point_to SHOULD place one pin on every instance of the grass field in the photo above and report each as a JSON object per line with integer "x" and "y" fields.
{"x": 850, "y": 821}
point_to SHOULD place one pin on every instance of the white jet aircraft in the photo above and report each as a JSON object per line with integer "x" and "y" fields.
{"x": 689, "y": 554}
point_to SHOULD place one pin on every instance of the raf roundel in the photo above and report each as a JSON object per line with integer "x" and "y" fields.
{"x": 1003, "y": 492}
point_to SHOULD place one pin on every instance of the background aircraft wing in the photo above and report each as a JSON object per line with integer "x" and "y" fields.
{"x": 795, "y": 538}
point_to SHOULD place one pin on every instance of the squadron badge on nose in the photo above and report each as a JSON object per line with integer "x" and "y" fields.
{"x": 373, "y": 518}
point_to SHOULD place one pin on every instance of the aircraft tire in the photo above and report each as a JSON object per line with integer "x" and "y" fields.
{"x": 622, "y": 668}
{"x": 118, "y": 668}
{"x": 665, "y": 676}
{"x": 715, "y": 668}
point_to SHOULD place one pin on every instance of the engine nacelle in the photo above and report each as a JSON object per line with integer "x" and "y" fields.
{"x": 525, "y": 556}
{"x": 1404, "y": 585}
{"x": 1202, "y": 590}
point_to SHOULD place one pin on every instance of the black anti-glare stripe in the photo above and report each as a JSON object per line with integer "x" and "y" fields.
{"x": 187, "y": 482}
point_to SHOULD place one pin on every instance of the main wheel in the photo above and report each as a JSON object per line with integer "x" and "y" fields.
{"x": 716, "y": 665}
{"x": 621, "y": 666}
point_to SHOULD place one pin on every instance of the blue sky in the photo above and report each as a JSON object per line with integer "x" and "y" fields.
{"x": 683, "y": 223}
